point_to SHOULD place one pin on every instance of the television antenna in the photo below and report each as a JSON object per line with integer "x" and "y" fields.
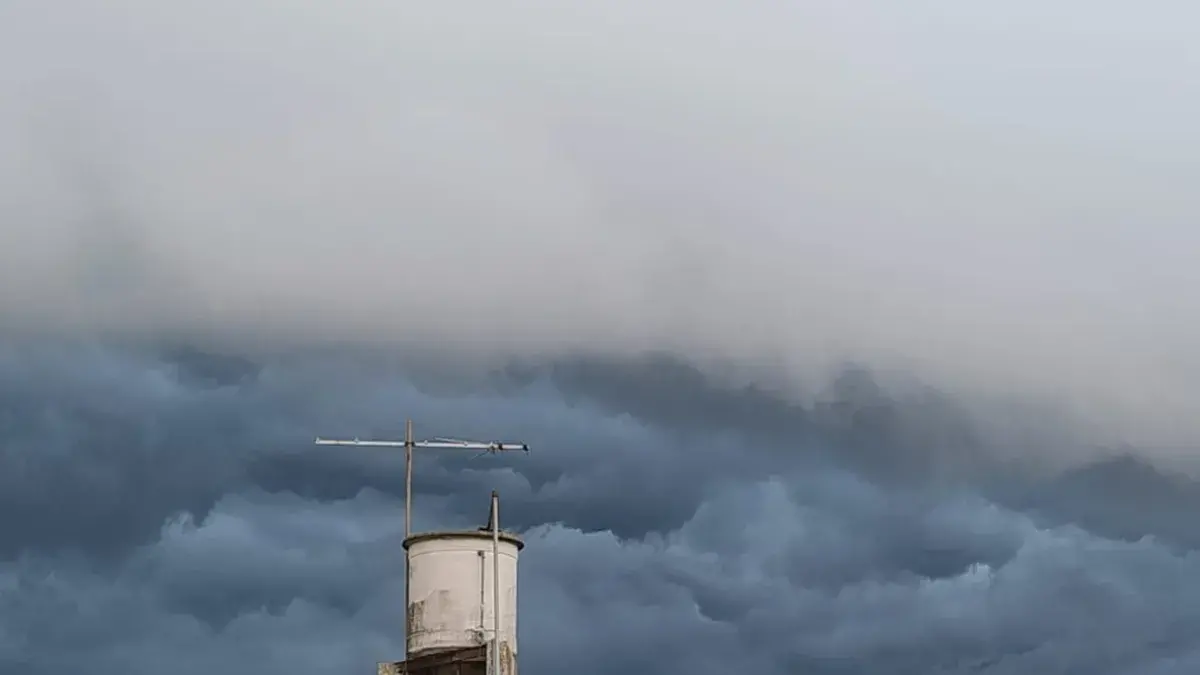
{"x": 437, "y": 443}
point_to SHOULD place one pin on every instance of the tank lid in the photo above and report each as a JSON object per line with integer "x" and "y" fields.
{"x": 485, "y": 535}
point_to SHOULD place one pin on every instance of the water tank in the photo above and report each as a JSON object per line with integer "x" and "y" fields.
{"x": 450, "y": 592}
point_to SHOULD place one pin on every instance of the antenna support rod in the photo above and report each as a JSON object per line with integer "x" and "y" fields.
{"x": 408, "y": 448}
{"x": 495, "y": 583}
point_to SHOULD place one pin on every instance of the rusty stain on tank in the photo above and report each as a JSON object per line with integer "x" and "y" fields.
{"x": 508, "y": 664}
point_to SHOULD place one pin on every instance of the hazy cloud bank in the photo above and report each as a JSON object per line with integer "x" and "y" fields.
{"x": 998, "y": 199}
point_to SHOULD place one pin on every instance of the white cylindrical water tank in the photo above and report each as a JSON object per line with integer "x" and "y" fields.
{"x": 450, "y": 591}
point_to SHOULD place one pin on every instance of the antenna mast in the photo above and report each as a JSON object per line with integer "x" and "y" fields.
{"x": 484, "y": 448}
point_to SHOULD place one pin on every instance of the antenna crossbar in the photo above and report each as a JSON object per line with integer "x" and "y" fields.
{"x": 440, "y": 444}
{"x": 409, "y": 444}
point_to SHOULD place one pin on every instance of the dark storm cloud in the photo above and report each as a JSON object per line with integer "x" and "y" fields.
{"x": 167, "y": 511}
{"x": 914, "y": 435}
{"x": 1123, "y": 498}
{"x": 366, "y": 211}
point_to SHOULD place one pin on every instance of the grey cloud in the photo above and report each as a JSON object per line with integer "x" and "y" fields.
{"x": 1123, "y": 498}
{"x": 595, "y": 603}
{"x": 652, "y": 546}
{"x": 486, "y": 220}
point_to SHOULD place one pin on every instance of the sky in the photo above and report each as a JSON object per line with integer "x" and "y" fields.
{"x": 850, "y": 338}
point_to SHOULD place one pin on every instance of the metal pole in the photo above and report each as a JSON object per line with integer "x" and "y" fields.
{"x": 495, "y": 583}
{"x": 408, "y": 457}
{"x": 483, "y": 596}
{"x": 408, "y": 453}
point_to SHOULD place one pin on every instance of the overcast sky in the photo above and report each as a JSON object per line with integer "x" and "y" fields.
{"x": 384, "y": 206}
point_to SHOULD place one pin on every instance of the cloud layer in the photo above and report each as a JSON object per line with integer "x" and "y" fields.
{"x": 998, "y": 198}
{"x": 169, "y": 511}
{"x": 646, "y": 238}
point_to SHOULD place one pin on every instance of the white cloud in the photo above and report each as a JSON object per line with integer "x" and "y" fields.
{"x": 998, "y": 198}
